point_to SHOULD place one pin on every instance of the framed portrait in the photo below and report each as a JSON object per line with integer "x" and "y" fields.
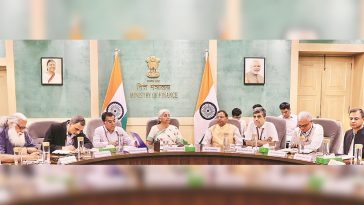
{"x": 51, "y": 70}
{"x": 254, "y": 71}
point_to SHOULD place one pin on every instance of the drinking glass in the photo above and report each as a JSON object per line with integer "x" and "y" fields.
{"x": 46, "y": 153}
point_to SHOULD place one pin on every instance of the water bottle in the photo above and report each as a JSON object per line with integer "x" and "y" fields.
{"x": 46, "y": 153}
{"x": 226, "y": 142}
{"x": 301, "y": 144}
{"x": 255, "y": 138}
{"x": 325, "y": 147}
{"x": 120, "y": 144}
{"x": 18, "y": 155}
{"x": 358, "y": 154}
{"x": 80, "y": 145}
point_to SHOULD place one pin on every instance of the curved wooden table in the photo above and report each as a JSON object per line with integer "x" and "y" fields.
{"x": 191, "y": 158}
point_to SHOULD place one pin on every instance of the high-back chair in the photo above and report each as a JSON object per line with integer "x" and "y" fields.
{"x": 280, "y": 125}
{"x": 92, "y": 124}
{"x": 230, "y": 121}
{"x": 37, "y": 130}
{"x": 153, "y": 122}
{"x": 332, "y": 131}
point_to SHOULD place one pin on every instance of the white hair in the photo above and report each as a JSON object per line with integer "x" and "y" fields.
{"x": 3, "y": 121}
{"x": 162, "y": 111}
{"x": 16, "y": 117}
{"x": 304, "y": 116}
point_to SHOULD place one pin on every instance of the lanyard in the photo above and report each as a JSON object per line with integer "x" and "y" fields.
{"x": 261, "y": 133}
{"x": 106, "y": 134}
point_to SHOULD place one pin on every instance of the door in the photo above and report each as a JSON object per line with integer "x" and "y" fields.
{"x": 336, "y": 89}
{"x": 309, "y": 84}
{"x": 324, "y": 87}
{"x": 3, "y": 92}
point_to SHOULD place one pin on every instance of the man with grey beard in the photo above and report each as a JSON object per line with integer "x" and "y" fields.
{"x": 14, "y": 135}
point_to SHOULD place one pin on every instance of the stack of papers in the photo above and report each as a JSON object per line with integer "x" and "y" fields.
{"x": 345, "y": 157}
{"x": 62, "y": 152}
{"x": 307, "y": 151}
{"x": 289, "y": 150}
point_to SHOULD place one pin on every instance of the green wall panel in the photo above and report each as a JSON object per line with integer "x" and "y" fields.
{"x": 36, "y": 100}
{"x": 181, "y": 66}
{"x": 326, "y": 19}
{"x": 231, "y": 90}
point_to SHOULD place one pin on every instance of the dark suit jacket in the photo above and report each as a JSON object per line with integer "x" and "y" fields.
{"x": 349, "y": 135}
{"x": 56, "y": 136}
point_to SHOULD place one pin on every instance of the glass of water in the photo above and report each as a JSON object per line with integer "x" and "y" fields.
{"x": 46, "y": 154}
{"x": 18, "y": 155}
{"x": 81, "y": 147}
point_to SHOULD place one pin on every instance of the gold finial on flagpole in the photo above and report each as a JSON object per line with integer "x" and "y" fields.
{"x": 206, "y": 54}
{"x": 116, "y": 51}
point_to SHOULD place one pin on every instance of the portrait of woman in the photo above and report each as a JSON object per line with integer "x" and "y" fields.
{"x": 52, "y": 71}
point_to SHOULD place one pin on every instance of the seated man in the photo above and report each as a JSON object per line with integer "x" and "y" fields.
{"x": 291, "y": 119}
{"x": 108, "y": 133}
{"x": 356, "y": 134}
{"x": 64, "y": 135}
{"x": 214, "y": 136}
{"x": 14, "y": 135}
{"x": 308, "y": 133}
{"x": 236, "y": 113}
{"x": 261, "y": 131}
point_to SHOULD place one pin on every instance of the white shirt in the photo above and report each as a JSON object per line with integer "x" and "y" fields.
{"x": 69, "y": 138}
{"x": 313, "y": 140}
{"x": 265, "y": 131}
{"x": 103, "y": 137}
{"x": 291, "y": 124}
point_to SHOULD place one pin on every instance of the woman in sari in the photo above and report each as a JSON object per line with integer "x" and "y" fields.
{"x": 164, "y": 131}
{"x": 51, "y": 76}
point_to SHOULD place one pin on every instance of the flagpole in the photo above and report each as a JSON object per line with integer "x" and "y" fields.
{"x": 116, "y": 52}
{"x": 206, "y": 55}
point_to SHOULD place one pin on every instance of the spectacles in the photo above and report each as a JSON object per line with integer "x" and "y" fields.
{"x": 257, "y": 116}
{"x": 20, "y": 127}
{"x": 302, "y": 126}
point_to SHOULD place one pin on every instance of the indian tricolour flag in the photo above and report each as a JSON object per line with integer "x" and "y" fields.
{"x": 206, "y": 107}
{"x": 115, "y": 97}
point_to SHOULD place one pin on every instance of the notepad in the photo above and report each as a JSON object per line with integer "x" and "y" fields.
{"x": 67, "y": 160}
{"x": 62, "y": 152}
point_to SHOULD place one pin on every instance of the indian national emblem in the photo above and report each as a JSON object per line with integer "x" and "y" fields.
{"x": 152, "y": 63}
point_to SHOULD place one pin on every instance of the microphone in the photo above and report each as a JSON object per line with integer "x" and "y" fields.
{"x": 120, "y": 141}
{"x": 202, "y": 139}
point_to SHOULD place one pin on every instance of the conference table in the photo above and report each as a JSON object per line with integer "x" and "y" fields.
{"x": 191, "y": 158}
